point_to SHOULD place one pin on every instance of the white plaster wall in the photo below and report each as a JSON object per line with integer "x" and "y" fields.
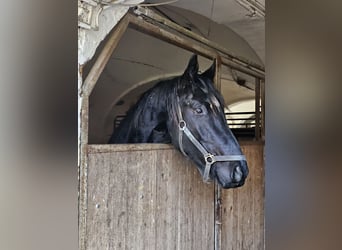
{"x": 89, "y": 40}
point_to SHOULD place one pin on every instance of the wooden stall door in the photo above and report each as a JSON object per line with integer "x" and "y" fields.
{"x": 146, "y": 197}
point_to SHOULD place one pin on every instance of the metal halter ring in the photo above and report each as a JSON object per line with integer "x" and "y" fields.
{"x": 209, "y": 159}
{"x": 182, "y": 125}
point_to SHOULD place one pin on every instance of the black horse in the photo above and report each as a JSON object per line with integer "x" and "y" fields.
{"x": 188, "y": 112}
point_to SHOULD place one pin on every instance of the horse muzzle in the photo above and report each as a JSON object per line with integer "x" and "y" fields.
{"x": 230, "y": 174}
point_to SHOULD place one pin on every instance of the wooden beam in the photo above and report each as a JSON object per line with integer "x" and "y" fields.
{"x": 162, "y": 34}
{"x": 162, "y": 20}
{"x": 104, "y": 56}
{"x": 187, "y": 44}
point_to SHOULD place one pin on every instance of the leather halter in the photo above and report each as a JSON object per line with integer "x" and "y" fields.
{"x": 209, "y": 158}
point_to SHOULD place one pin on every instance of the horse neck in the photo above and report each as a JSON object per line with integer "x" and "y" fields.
{"x": 152, "y": 105}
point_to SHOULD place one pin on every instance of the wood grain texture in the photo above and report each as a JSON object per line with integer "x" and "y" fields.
{"x": 145, "y": 197}
{"x": 152, "y": 199}
{"x": 243, "y": 208}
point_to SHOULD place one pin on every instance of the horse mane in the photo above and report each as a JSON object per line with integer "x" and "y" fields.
{"x": 163, "y": 98}
{"x": 158, "y": 97}
{"x": 152, "y": 98}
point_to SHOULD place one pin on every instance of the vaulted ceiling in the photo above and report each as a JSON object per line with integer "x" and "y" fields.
{"x": 245, "y": 17}
{"x": 140, "y": 60}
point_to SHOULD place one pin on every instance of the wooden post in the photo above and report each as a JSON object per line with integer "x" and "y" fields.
{"x": 217, "y": 80}
{"x": 218, "y": 217}
{"x": 83, "y": 169}
{"x": 83, "y": 111}
{"x": 217, "y": 189}
{"x": 257, "y": 109}
{"x": 262, "y": 109}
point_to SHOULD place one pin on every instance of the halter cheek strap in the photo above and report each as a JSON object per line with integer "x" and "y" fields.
{"x": 209, "y": 158}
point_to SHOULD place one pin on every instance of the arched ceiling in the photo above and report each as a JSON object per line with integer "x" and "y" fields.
{"x": 140, "y": 60}
{"x": 239, "y": 15}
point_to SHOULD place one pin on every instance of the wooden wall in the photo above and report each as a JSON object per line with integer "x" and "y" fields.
{"x": 150, "y": 197}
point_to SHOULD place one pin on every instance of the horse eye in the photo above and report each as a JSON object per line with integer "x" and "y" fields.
{"x": 199, "y": 111}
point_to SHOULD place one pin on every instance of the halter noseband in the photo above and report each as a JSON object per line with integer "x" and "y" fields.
{"x": 209, "y": 158}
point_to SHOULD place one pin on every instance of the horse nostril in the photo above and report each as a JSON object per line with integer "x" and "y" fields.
{"x": 237, "y": 174}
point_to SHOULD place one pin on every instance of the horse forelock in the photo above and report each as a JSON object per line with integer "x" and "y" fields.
{"x": 212, "y": 96}
{"x": 202, "y": 89}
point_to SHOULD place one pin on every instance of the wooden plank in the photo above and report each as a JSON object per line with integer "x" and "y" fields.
{"x": 262, "y": 109}
{"x": 243, "y": 208}
{"x": 147, "y": 200}
{"x": 217, "y": 80}
{"x": 109, "y": 148}
{"x": 218, "y": 217}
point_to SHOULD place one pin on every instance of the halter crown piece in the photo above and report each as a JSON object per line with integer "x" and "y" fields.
{"x": 209, "y": 158}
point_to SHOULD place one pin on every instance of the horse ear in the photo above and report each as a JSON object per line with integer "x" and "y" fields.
{"x": 210, "y": 73}
{"x": 192, "y": 68}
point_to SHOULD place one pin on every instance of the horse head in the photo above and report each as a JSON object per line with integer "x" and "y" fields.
{"x": 198, "y": 128}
